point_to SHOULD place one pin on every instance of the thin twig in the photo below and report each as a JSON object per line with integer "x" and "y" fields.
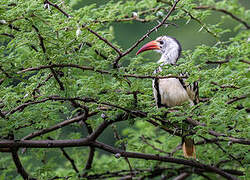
{"x": 89, "y": 68}
{"x": 57, "y": 7}
{"x": 103, "y": 39}
{"x": 182, "y": 176}
{"x": 55, "y": 127}
{"x": 216, "y": 134}
{"x": 225, "y": 12}
{"x": 72, "y": 162}
{"x": 41, "y": 39}
{"x": 155, "y": 148}
{"x": 245, "y": 61}
{"x": 237, "y": 99}
{"x": 90, "y": 158}
{"x": 217, "y": 62}
{"x": 96, "y": 51}
{"x": 123, "y": 148}
{"x": 224, "y": 86}
{"x": 224, "y": 151}
{"x": 41, "y": 84}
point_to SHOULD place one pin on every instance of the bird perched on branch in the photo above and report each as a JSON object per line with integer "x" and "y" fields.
{"x": 170, "y": 92}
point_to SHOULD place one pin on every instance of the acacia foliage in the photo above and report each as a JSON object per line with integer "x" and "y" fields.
{"x": 58, "y": 64}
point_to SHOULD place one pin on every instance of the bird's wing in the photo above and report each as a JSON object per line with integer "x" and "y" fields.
{"x": 192, "y": 89}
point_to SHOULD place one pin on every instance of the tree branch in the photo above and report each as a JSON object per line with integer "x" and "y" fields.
{"x": 89, "y": 68}
{"x": 19, "y": 166}
{"x": 103, "y": 39}
{"x": 245, "y": 61}
{"x": 224, "y": 86}
{"x": 88, "y": 142}
{"x": 41, "y": 39}
{"x": 191, "y": 163}
{"x": 225, "y": 12}
{"x": 57, "y": 7}
{"x": 155, "y": 148}
{"x": 232, "y": 139}
{"x": 55, "y": 127}
{"x": 217, "y": 62}
{"x": 72, "y": 162}
{"x": 236, "y": 99}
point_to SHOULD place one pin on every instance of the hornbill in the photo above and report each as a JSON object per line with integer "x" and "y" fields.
{"x": 169, "y": 92}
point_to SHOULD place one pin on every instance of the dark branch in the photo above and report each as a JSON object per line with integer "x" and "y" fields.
{"x": 236, "y": 99}
{"x": 226, "y": 153}
{"x": 104, "y": 40}
{"x": 57, "y": 79}
{"x": 89, "y": 68}
{"x": 8, "y": 35}
{"x": 41, "y": 39}
{"x": 19, "y": 166}
{"x": 90, "y": 158}
{"x": 182, "y": 176}
{"x": 224, "y": 86}
{"x": 191, "y": 163}
{"x": 57, "y": 7}
{"x": 55, "y": 127}
{"x": 216, "y": 134}
{"x": 96, "y": 51}
{"x": 217, "y": 62}
{"x": 245, "y": 61}
{"x": 72, "y": 162}
{"x": 41, "y": 84}
{"x": 155, "y": 148}
{"x": 88, "y": 142}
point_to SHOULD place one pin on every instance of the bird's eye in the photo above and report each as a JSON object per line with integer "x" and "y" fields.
{"x": 161, "y": 42}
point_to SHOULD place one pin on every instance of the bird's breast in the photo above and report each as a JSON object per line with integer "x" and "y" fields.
{"x": 170, "y": 92}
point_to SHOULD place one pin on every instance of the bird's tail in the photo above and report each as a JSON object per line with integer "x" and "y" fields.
{"x": 188, "y": 147}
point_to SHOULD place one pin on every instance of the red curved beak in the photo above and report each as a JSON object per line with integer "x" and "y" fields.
{"x": 149, "y": 46}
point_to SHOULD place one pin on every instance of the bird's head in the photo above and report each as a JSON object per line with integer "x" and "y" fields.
{"x": 169, "y": 47}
